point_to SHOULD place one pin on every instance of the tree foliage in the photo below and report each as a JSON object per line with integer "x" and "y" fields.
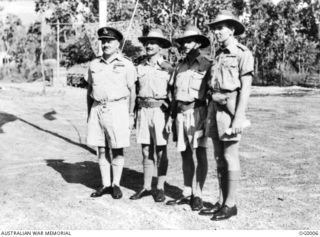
{"x": 283, "y": 37}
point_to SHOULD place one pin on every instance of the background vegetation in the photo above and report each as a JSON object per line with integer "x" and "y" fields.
{"x": 284, "y": 38}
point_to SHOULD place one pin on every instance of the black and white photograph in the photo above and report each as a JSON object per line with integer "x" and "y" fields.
{"x": 157, "y": 115}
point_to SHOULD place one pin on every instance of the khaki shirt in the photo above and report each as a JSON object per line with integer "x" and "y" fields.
{"x": 111, "y": 79}
{"x": 229, "y": 65}
{"x": 153, "y": 79}
{"x": 190, "y": 79}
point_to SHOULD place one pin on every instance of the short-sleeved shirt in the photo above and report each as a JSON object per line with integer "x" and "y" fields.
{"x": 111, "y": 79}
{"x": 153, "y": 79}
{"x": 229, "y": 65}
{"x": 190, "y": 79}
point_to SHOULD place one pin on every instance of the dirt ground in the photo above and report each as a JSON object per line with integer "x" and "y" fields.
{"x": 47, "y": 172}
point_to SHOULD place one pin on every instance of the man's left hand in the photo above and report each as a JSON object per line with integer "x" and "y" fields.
{"x": 237, "y": 125}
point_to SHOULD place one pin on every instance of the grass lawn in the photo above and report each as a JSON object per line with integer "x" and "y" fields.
{"x": 47, "y": 173}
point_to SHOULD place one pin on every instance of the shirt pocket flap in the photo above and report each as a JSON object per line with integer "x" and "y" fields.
{"x": 230, "y": 61}
{"x": 196, "y": 79}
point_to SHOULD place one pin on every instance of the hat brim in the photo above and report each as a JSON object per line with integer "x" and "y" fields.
{"x": 204, "y": 41}
{"x": 118, "y": 35}
{"x": 163, "y": 42}
{"x": 107, "y": 37}
{"x": 238, "y": 26}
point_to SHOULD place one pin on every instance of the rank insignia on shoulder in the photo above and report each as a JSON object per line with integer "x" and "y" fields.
{"x": 207, "y": 58}
{"x": 140, "y": 59}
{"x": 242, "y": 47}
{"x": 165, "y": 65}
{"x": 126, "y": 57}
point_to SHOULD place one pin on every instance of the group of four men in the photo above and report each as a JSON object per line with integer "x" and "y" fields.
{"x": 197, "y": 99}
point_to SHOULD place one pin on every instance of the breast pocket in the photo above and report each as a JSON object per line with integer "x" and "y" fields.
{"x": 97, "y": 75}
{"x": 196, "y": 83}
{"x": 230, "y": 72}
{"x": 159, "y": 83}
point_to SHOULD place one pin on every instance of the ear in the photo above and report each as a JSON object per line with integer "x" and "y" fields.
{"x": 233, "y": 29}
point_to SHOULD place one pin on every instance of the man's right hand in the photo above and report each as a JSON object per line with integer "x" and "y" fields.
{"x": 219, "y": 98}
{"x": 168, "y": 126}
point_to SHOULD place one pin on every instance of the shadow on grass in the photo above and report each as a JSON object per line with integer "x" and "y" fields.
{"x": 5, "y": 118}
{"x": 87, "y": 173}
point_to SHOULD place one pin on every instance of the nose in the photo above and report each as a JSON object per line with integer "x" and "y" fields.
{"x": 148, "y": 44}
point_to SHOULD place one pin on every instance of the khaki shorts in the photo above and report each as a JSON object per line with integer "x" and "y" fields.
{"x": 190, "y": 126}
{"x": 151, "y": 126}
{"x": 218, "y": 121}
{"x": 108, "y": 125}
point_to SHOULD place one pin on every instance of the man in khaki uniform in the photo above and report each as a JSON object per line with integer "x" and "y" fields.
{"x": 189, "y": 102}
{"x": 152, "y": 103}
{"x": 110, "y": 97}
{"x": 230, "y": 85}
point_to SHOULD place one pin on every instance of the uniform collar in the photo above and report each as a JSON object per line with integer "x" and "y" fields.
{"x": 146, "y": 61}
{"x": 115, "y": 56}
{"x": 195, "y": 57}
{"x": 231, "y": 48}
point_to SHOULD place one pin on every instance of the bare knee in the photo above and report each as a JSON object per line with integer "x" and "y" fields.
{"x": 147, "y": 151}
{"x": 101, "y": 152}
{"x": 162, "y": 153}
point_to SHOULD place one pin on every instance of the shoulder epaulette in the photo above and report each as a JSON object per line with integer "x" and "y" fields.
{"x": 139, "y": 59}
{"x": 166, "y": 66}
{"x": 242, "y": 47}
{"x": 127, "y": 58}
{"x": 206, "y": 58}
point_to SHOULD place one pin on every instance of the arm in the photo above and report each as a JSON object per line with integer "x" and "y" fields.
{"x": 240, "y": 116}
{"x": 89, "y": 98}
{"x": 246, "y": 66}
{"x": 173, "y": 105}
{"x": 132, "y": 98}
{"x": 131, "y": 80}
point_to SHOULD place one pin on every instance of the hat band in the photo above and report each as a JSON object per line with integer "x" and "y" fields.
{"x": 153, "y": 34}
{"x": 110, "y": 34}
{"x": 190, "y": 33}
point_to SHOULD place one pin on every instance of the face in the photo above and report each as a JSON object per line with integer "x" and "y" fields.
{"x": 110, "y": 46}
{"x": 223, "y": 32}
{"x": 152, "y": 47}
{"x": 189, "y": 45}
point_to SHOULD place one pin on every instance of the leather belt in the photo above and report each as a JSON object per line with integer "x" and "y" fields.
{"x": 149, "y": 103}
{"x": 104, "y": 102}
{"x": 184, "y": 106}
{"x": 221, "y": 91}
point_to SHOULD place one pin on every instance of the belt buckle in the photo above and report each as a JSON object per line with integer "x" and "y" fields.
{"x": 144, "y": 103}
{"x": 103, "y": 103}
